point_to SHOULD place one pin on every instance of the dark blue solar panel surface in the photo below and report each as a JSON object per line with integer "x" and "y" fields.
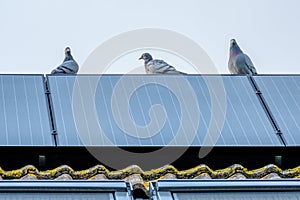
{"x": 24, "y": 119}
{"x": 157, "y": 111}
{"x": 282, "y": 94}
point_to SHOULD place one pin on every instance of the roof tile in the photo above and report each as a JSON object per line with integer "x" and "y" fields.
{"x": 29, "y": 177}
{"x": 140, "y": 179}
{"x": 203, "y": 176}
{"x": 237, "y": 176}
{"x": 98, "y": 177}
{"x": 272, "y": 176}
{"x": 169, "y": 176}
{"x": 64, "y": 177}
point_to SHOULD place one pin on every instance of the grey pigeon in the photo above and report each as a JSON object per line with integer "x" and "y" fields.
{"x": 239, "y": 63}
{"x": 69, "y": 65}
{"x": 157, "y": 66}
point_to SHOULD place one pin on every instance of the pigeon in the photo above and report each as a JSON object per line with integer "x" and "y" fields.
{"x": 69, "y": 65}
{"x": 157, "y": 66}
{"x": 239, "y": 63}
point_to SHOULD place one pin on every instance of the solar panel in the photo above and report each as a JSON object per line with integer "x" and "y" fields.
{"x": 246, "y": 123}
{"x": 24, "y": 119}
{"x": 143, "y": 110}
{"x": 224, "y": 189}
{"x": 249, "y": 195}
{"x": 110, "y": 190}
{"x": 56, "y": 196}
{"x": 282, "y": 94}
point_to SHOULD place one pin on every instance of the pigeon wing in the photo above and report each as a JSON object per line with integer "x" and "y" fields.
{"x": 250, "y": 65}
{"x": 67, "y": 67}
{"x": 244, "y": 65}
{"x": 161, "y": 67}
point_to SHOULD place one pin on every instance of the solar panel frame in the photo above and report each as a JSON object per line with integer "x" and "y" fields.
{"x": 235, "y": 85}
{"x": 24, "y": 114}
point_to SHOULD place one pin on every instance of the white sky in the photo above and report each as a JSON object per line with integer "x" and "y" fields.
{"x": 34, "y": 33}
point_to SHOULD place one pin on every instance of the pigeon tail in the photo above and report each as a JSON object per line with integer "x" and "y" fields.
{"x": 181, "y": 72}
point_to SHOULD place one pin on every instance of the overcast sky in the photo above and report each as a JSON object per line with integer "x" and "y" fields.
{"x": 34, "y": 33}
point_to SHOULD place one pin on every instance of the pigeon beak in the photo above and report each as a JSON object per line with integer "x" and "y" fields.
{"x": 232, "y": 42}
